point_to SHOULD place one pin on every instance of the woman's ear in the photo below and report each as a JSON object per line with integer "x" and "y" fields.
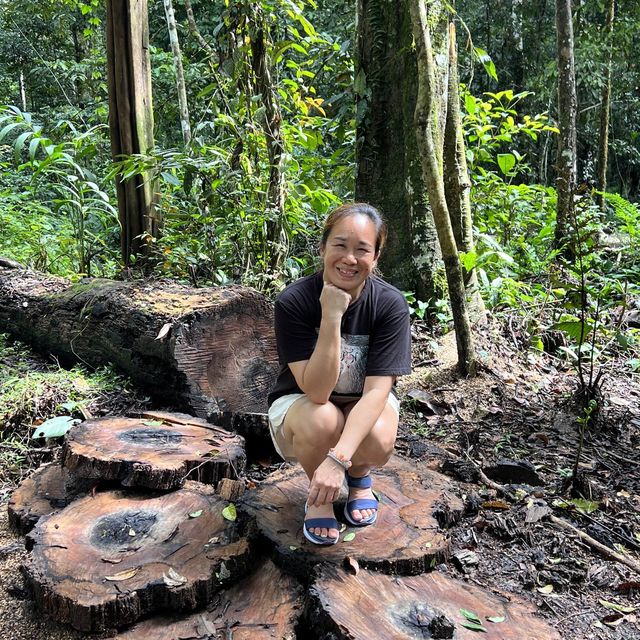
{"x": 321, "y": 250}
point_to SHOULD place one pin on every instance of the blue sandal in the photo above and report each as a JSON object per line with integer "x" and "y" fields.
{"x": 361, "y": 503}
{"x": 319, "y": 523}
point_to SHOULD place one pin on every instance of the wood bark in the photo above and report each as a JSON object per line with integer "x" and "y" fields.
{"x": 274, "y": 138}
{"x": 217, "y": 353}
{"x": 264, "y": 606}
{"x": 605, "y": 108}
{"x": 42, "y": 493}
{"x": 183, "y": 106}
{"x": 108, "y": 560}
{"x": 425, "y": 606}
{"x": 388, "y": 173}
{"x": 152, "y": 454}
{"x": 432, "y": 170}
{"x": 131, "y": 120}
{"x": 409, "y": 536}
{"x": 457, "y": 182}
{"x": 567, "y": 109}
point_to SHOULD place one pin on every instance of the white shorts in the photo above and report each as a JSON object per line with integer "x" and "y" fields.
{"x": 278, "y": 411}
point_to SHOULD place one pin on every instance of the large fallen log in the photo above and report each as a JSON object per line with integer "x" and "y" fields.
{"x": 371, "y": 605}
{"x": 106, "y": 561}
{"x": 210, "y": 349}
{"x": 152, "y": 453}
{"x": 408, "y": 538}
{"x": 264, "y": 606}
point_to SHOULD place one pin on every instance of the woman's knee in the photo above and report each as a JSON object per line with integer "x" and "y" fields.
{"x": 377, "y": 447}
{"x": 320, "y": 424}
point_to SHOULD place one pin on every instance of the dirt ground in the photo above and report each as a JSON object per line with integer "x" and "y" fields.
{"x": 516, "y": 422}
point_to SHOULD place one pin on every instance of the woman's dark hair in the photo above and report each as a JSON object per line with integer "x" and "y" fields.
{"x": 352, "y": 209}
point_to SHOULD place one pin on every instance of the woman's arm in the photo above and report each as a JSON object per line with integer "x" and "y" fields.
{"x": 318, "y": 376}
{"x": 364, "y": 415}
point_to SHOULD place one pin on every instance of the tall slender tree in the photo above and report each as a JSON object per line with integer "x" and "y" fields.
{"x": 605, "y": 108}
{"x": 183, "y": 106}
{"x": 567, "y": 109}
{"x": 432, "y": 171}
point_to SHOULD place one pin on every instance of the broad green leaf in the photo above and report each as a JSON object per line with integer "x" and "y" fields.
{"x": 349, "y": 537}
{"x": 229, "y": 512}
{"x": 574, "y": 329}
{"x": 506, "y": 162}
{"x": 196, "y": 514}
{"x": 54, "y": 427}
{"x": 473, "y": 626}
{"x": 617, "y": 607}
{"x": 470, "y": 104}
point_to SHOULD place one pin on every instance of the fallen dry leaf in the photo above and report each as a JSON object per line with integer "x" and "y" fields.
{"x": 123, "y": 575}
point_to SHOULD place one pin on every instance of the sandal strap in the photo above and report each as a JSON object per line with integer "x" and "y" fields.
{"x": 362, "y": 503}
{"x": 359, "y": 483}
{"x": 321, "y": 523}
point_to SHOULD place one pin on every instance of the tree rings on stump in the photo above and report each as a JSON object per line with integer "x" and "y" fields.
{"x": 407, "y": 538}
{"x": 264, "y": 606}
{"x": 42, "y": 493}
{"x": 149, "y": 453}
{"x": 106, "y": 561}
{"x": 371, "y": 605}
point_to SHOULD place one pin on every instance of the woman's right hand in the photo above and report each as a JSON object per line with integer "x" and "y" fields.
{"x": 334, "y": 301}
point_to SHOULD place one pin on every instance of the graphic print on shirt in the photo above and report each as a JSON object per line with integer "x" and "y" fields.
{"x": 353, "y": 364}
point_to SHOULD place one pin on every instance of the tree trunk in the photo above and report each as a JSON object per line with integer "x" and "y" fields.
{"x": 457, "y": 183}
{"x": 276, "y": 237}
{"x": 428, "y": 606}
{"x": 388, "y": 169}
{"x": 107, "y": 560}
{"x": 151, "y": 453}
{"x": 410, "y": 533}
{"x": 605, "y": 109}
{"x": 131, "y": 120}
{"x": 567, "y": 109}
{"x": 264, "y": 606}
{"x": 209, "y": 349}
{"x": 432, "y": 171}
{"x": 183, "y": 106}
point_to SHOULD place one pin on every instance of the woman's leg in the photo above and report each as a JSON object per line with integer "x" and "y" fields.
{"x": 375, "y": 451}
{"x": 312, "y": 429}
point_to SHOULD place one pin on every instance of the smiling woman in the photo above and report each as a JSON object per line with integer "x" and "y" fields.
{"x": 343, "y": 337}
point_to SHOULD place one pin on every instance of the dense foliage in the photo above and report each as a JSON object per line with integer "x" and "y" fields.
{"x": 57, "y": 197}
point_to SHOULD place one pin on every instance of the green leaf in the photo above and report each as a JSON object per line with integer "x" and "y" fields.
{"x": 196, "y": 514}
{"x": 153, "y": 423}
{"x": 473, "y": 626}
{"x": 506, "y": 162}
{"x": 54, "y": 427}
{"x": 617, "y": 607}
{"x": 469, "y": 259}
{"x": 574, "y": 329}
{"x": 469, "y": 615}
{"x": 349, "y": 537}
{"x": 229, "y": 512}
{"x": 496, "y": 619}
{"x": 470, "y": 104}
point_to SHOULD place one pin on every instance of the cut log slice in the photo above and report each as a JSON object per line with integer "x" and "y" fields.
{"x": 408, "y": 537}
{"x": 264, "y": 606}
{"x": 152, "y": 454}
{"x": 42, "y": 493}
{"x": 371, "y": 605}
{"x": 106, "y": 561}
{"x": 212, "y": 349}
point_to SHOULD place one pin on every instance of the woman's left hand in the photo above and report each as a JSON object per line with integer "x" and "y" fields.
{"x": 326, "y": 483}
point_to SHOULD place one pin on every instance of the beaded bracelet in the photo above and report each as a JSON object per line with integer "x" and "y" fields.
{"x": 341, "y": 460}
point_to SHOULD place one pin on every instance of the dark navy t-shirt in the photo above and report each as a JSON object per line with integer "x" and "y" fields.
{"x": 375, "y": 334}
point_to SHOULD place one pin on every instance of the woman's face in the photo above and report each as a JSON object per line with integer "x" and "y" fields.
{"x": 349, "y": 254}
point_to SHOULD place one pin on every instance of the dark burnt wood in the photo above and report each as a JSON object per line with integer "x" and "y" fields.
{"x": 152, "y": 453}
{"x": 101, "y": 562}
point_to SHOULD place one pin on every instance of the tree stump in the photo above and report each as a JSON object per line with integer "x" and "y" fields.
{"x": 371, "y": 605}
{"x": 210, "y": 349}
{"x": 42, "y": 493}
{"x": 148, "y": 453}
{"x": 106, "y": 561}
{"x": 264, "y": 606}
{"x": 408, "y": 537}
